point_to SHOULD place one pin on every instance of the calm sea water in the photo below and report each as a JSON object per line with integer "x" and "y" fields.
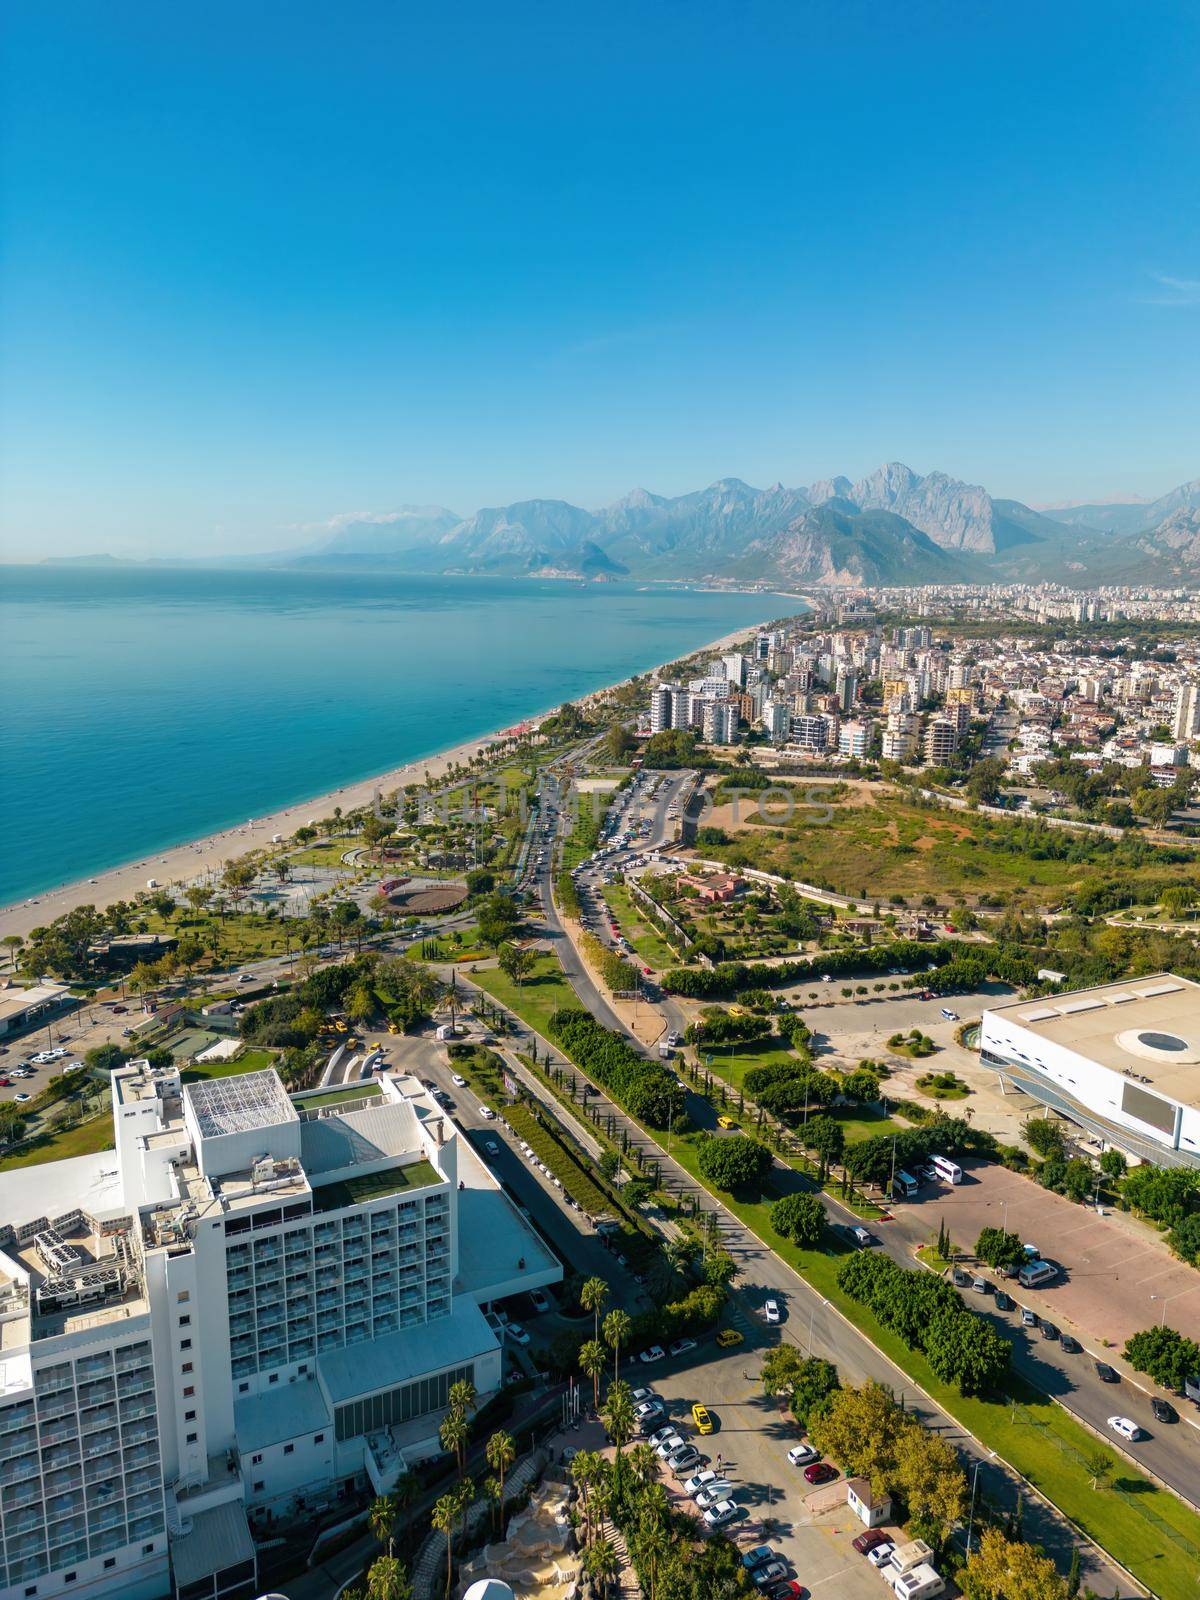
{"x": 141, "y": 708}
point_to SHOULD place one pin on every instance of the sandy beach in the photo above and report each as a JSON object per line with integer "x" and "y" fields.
{"x": 181, "y": 863}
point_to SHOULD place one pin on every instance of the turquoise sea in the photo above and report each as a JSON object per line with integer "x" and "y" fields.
{"x": 143, "y": 707}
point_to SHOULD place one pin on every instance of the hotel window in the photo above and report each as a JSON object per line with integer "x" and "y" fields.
{"x": 183, "y": 1296}
{"x": 186, "y": 1367}
{"x": 189, "y": 1391}
{"x": 185, "y": 1322}
{"x": 192, "y": 1437}
{"x": 189, "y": 1416}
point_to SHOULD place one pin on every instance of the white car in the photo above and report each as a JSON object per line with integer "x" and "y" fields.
{"x": 771, "y": 1311}
{"x": 1128, "y": 1430}
{"x": 638, "y": 1395}
{"x": 801, "y": 1454}
{"x": 24, "y": 1095}
{"x": 655, "y": 1353}
{"x": 683, "y": 1460}
{"x": 517, "y": 1333}
{"x": 486, "y": 1113}
{"x": 717, "y": 1516}
{"x": 698, "y": 1482}
{"x": 714, "y": 1494}
{"x": 647, "y": 1408}
{"x": 673, "y": 1442}
{"x": 882, "y": 1553}
{"x": 458, "y": 1080}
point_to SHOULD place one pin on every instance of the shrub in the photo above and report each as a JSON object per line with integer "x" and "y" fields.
{"x": 735, "y": 1162}
{"x": 800, "y": 1218}
{"x": 1164, "y": 1354}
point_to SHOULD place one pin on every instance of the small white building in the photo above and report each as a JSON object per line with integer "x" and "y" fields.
{"x": 871, "y": 1509}
{"x": 19, "y": 1007}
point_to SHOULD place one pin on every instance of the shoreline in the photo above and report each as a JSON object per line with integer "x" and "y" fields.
{"x": 186, "y": 860}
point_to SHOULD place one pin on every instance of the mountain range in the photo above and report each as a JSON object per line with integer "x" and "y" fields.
{"x": 892, "y": 526}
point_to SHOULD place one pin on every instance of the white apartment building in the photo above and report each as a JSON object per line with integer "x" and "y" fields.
{"x": 255, "y": 1305}
{"x": 853, "y": 739}
{"x": 1187, "y": 711}
{"x": 720, "y": 721}
{"x": 735, "y": 669}
{"x": 661, "y": 700}
{"x": 777, "y": 720}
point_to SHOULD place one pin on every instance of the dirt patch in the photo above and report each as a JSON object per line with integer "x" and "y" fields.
{"x": 423, "y": 902}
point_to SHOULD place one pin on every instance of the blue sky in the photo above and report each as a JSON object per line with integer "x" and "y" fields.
{"x": 269, "y": 263}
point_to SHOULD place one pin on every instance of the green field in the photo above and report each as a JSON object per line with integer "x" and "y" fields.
{"x": 893, "y": 847}
{"x": 84, "y": 1139}
{"x": 639, "y": 930}
{"x": 544, "y": 992}
{"x": 733, "y": 1061}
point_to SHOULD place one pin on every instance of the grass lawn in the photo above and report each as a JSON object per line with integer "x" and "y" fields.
{"x": 639, "y": 930}
{"x": 733, "y": 1062}
{"x": 373, "y": 1186}
{"x": 1146, "y": 1528}
{"x": 339, "y": 1097}
{"x": 248, "y": 1061}
{"x": 323, "y": 855}
{"x": 544, "y": 992}
{"x": 84, "y": 1139}
{"x": 860, "y": 1124}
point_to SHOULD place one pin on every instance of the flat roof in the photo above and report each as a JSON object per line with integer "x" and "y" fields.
{"x": 493, "y": 1236}
{"x": 241, "y": 1103}
{"x": 1147, "y": 1028}
{"x": 356, "y": 1138}
{"x": 396, "y": 1358}
{"x": 218, "y": 1539}
{"x": 15, "y": 1002}
{"x": 56, "y": 1188}
{"x": 278, "y": 1414}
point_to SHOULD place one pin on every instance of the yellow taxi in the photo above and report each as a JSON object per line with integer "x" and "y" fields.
{"x": 726, "y": 1121}
{"x": 728, "y": 1337}
{"x": 701, "y": 1418}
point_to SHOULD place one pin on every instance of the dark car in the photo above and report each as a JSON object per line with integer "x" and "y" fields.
{"x": 1163, "y": 1410}
{"x": 1107, "y": 1374}
{"x": 785, "y": 1589}
{"x": 869, "y": 1541}
{"x": 1049, "y": 1331}
{"x": 1070, "y": 1345}
{"x": 1004, "y": 1302}
{"x": 820, "y": 1472}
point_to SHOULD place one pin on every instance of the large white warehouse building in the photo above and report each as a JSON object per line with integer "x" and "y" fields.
{"x": 1121, "y": 1060}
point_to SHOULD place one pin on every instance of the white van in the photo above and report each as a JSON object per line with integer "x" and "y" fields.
{"x": 948, "y": 1171}
{"x": 1035, "y": 1273}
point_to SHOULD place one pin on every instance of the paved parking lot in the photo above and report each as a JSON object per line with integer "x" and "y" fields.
{"x": 1118, "y": 1277}
{"x": 752, "y": 1436}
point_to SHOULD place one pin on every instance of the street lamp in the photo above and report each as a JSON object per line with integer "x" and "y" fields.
{"x": 974, "y": 1482}
{"x": 811, "y": 1315}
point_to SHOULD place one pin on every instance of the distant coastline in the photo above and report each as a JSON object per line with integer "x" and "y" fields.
{"x": 192, "y": 855}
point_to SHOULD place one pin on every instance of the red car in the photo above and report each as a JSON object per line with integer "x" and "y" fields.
{"x": 5, "y": 1083}
{"x": 820, "y": 1472}
{"x": 785, "y": 1589}
{"x": 870, "y": 1541}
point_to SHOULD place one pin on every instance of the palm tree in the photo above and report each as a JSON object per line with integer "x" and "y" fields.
{"x": 464, "y": 1495}
{"x": 601, "y": 1564}
{"x": 387, "y": 1580}
{"x": 618, "y": 1414}
{"x": 592, "y": 1362}
{"x": 585, "y": 1469}
{"x": 381, "y": 1519}
{"x": 643, "y": 1463}
{"x": 501, "y": 1452}
{"x": 592, "y": 1297}
{"x": 443, "y": 1517}
{"x": 617, "y": 1328}
{"x": 462, "y": 1396}
{"x": 492, "y": 1488}
{"x": 453, "y": 1434}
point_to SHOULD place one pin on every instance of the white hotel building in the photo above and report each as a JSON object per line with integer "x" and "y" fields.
{"x": 1122, "y": 1061}
{"x": 249, "y": 1309}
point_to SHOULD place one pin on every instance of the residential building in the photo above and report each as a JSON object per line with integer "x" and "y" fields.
{"x": 661, "y": 701}
{"x": 941, "y": 741}
{"x": 719, "y": 722}
{"x": 853, "y": 740}
{"x": 1187, "y": 711}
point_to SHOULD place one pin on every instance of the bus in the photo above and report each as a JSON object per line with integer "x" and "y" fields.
{"x": 948, "y": 1171}
{"x": 905, "y": 1186}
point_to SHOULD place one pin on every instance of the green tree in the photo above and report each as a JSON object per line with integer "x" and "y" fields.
{"x": 734, "y": 1162}
{"x": 826, "y": 1138}
{"x": 501, "y": 1452}
{"x": 1163, "y": 1354}
{"x": 1046, "y": 1137}
{"x": 592, "y": 1362}
{"x": 516, "y": 963}
{"x": 962, "y": 1348}
{"x": 592, "y": 1298}
{"x": 1008, "y": 1569}
{"x": 617, "y": 1414}
{"x": 601, "y": 1564}
{"x": 617, "y": 1327}
{"x": 454, "y": 1433}
{"x": 387, "y": 1580}
{"x": 999, "y": 1249}
{"x": 800, "y": 1218}
{"x": 105, "y": 1057}
{"x": 444, "y": 1517}
{"x": 381, "y": 1519}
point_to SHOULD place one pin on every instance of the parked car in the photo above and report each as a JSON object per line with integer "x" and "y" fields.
{"x": 638, "y": 1395}
{"x": 680, "y": 1347}
{"x": 1070, "y": 1345}
{"x": 668, "y": 1446}
{"x": 820, "y": 1472}
{"x": 647, "y": 1408}
{"x": 785, "y": 1589}
{"x": 699, "y": 1481}
{"x": 717, "y": 1516}
{"x": 714, "y": 1494}
{"x": 1029, "y": 1319}
{"x": 517, "y": 1333}
{"x": 771, "y": 1311}
{"x": 728, "y": 1337}
{"x": 755, "y": 1558}
{"x": 540, "y": 1301}
{"x": 801, "y": 1454}
{"x": 654, "y": 1353}
{"x": 870, "y": 1540}
{"x": 684, "y": 1460}
{"x": 769, "y": 1572}
{"x": 1049, "y": 1330}
{"x": 1163, "y": 1410}
{"x": 881, "y": 1554}
{"x": 1003, "y": 1302}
